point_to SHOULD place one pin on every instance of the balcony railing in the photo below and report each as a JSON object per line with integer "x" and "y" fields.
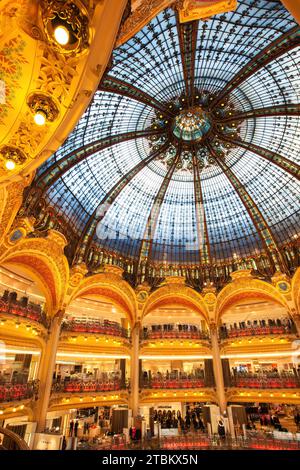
{"x": 265, "y": 381}
{"x": 229, "y": 332}
{"x": 164, "y": 382}
{"x": 31, "y": 311}
{"x": 171, "y": 331}
{"x": 81, "y": 386}
{"x": 15, "y": 392}
{"x": 95, "y": 326}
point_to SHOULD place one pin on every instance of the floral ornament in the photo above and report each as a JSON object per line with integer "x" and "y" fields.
{"x": 11, "y": 71}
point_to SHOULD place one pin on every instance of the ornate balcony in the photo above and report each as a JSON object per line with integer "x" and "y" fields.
{"x": 88, "y": 386}
{"x": 9, "y": 305}
{"x": 10, "y": 392}
{"x": 166, "y": 381}
{"x": 174, "y": 331}
{"x": 266, "y": 381}
{"x": 263, "y": 329}
{"x": 82, "y": 325}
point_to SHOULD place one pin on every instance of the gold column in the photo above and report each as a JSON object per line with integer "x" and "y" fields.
{"x": 134, "y": 369}
{"x": 217, "y": 366}
{"x": 46, "y": 370}
{"x": 296, "y": 319}
{"x": 125, "y": 323}
{"x": 293, "y": 7}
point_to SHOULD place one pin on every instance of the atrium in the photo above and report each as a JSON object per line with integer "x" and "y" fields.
{"x": 149, "y": 224}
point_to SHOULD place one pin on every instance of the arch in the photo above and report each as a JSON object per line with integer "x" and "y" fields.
{"x": 296, "y": 289}
{"x": 110, "y": 286}
{"x": 44, "y": 260}
{"x": 246, "y": 288}
{"x": 180, "y": 294}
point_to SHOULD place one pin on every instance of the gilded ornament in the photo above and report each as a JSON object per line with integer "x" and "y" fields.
{"x": 41, "y": 102}
{"x": 210, "y": 298}
{"x": 9, "y": 152}
{"x": 70, "y": 15}
{"x": 283, "y": 287}
{"x": 142, "y": 296}
{"x": 77, "y": 273}
{"x": 203, "y": 9}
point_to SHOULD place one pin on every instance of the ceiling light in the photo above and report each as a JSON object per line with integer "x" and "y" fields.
{"x": 10, "y": 165}
{"x": 40, "y": 117}
{"x": 61, "y": 35}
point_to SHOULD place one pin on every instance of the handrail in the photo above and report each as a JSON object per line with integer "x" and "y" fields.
{"x": 15, "y": 438}
{"x": 174, "y": 331}
{"x": 30, "y": 313}
{"x": 96, "y": 327}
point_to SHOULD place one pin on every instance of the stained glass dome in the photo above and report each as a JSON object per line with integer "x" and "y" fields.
{"x": 189, "y": 150}
{"x": 191, "y": 124}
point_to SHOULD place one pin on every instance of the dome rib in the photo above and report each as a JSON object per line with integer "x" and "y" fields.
{"x": 60, "y": 167}
{"x": 280, "y": 110}
{"x": 287, "y": 165}
{"x": 100, "y": 212}
{"x": 120, "y": 87}
{"x": 187, "y": 33}
{"x": 149, "y": 232}
{"x": 203, "y": 238}
{"x": 255, "y": 214}
{"x": 277, "y": 48}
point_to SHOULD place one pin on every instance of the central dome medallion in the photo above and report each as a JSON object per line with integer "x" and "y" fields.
{"x": 191, "y": 124}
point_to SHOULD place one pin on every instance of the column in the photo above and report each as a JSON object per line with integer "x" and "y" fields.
{"x": 134, "y": 369}
{"x": 217, "y": 366}
{"x": 46, "y": 370}
{"x": 296, "y": 319}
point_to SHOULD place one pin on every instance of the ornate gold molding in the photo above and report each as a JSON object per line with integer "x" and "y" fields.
{"x": 140, "y": 17}
{"x": 190, "y": 10}
{"x": 65, "y": 77}
{"x": 176, "y": 293}
{"x": 10, "y": 201}
{"x": 245, "y": 288}
{"x": 44, "y": 258}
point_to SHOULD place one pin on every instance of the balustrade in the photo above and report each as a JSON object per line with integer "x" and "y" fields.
{"x": 173, "y": 331}
{"x": 172, "y": 382}
{"x": 261, "y": 328}
{"x": 266, "y": 381}
{"x": 79, "y": 386}
{"x": 83, "y": 325}
{"x": 22, "y": 308}
{"x": 16, "y": 392}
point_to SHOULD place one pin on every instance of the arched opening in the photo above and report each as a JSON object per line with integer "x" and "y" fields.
{"x": 23, "y": 323}
{"x": 257, "y": 335}
{"x": 175, "y": 351}
{"x": 93, "y": 355}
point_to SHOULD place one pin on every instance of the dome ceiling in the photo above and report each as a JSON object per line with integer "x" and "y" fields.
{"x": 189, "y": 151}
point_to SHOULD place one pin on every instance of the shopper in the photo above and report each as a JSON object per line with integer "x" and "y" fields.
{"x": 221, "y": 429}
